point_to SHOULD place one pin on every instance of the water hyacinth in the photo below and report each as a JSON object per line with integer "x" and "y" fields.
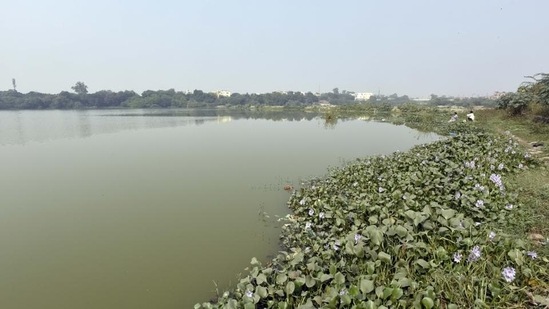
{"x": 491, "y": 235}
{"x": 311, "y": 212}
{"x": 520, "y": 166}
{"x": 509, "y": 206}
{"x": 302, "y": 202}
{"x": 343, "y": 291}
{"x": 479, "y": 203}
{"x": 496, "y": 179}
{"x": 457, "y": 257}
{"x": 357, "y": 238}
{"x": 532, "y": 254}
{"x": 458, "y": 195}
{"x": 249, "y": 294}
{"x": 381, "y": 190}
{"x": 470, "y": 164}
{"x": 501, "y": 166}
{"x": 336, "y": 246}
{"x": 308, "y": 225}
{"x": 321, "y": 215}
{"x": 474, "y": 255}
{"x": 508, "y": 274}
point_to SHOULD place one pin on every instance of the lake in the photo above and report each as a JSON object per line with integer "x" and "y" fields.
{"x": 155, "y": 208}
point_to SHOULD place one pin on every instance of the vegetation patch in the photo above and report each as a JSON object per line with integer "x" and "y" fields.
{"x": 427, "y": 228}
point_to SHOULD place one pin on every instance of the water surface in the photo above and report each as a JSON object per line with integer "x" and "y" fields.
{"x": 152, "y": 209}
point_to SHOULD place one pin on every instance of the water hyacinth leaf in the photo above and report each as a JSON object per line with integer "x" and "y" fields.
{"x": 540, "y": 300}
{"x": 397, "y": 293}
{"x": 354, "y": 291}
{"x": 370, "y": 305}
{"x": 249, "y": 306}
{"x": 345, "y": 299}
{"x": 290, "y": 288}
{"x": 307, "y": 305}
{"x": 516, "y": 256}
{"x": 298, "y": 258}
{"x": 384, "y": 257}
{"x": 283, "y": 305}
{"x": 387, "y": 292}
{"x": 452, "y": 306}
{"x": 339, "y": 278}
{"x": 232, "y": 304}
{"x": 261, "y": 278}
{"x": 325, "y": 277}
{"x": 376, "y": 237}
{"x": 448, "y": 213}
{"x": 261, "y": 292}
{"x": 310, "y": 281}
{"x": 427, "y": 302}
{"x": 423, "y": 263}
{"x": 366, "y": 286}
{"x": 401, "y": 231}
{"x": 281, "y": 278}
{"x": 255, "y": 262}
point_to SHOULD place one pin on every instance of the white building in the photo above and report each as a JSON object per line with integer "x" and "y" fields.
{"x": 363, "y": 96}
{"x": 223, "y": 93}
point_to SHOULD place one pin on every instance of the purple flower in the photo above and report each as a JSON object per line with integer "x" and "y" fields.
{"x": 457, "y": 257}
{"x": 500, "y": 166}
{"x": 520, "y": 165}
{"x": 496, "y": 179}
{"x": 458, "y": 195}
{"x": 343, "y": 291}
{"x": 479, "y": 203}
{"x": 302, "y": 202}
{"x": 357, "y": 237}
{"x": 474, "y": 255}
{"x": 508, "y": 274}
{"x": 308, "y": 225}
{"x": 311, "y": 212}
{"x": 532, "y": 254}
{"x": 509, "y": 206}
{"x": 492, "y": 235}
{"x": 321, "y": 215}
{"x": 249, "y": 294}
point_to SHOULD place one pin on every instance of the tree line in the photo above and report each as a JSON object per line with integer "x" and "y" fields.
{"x": 81, "y": 99}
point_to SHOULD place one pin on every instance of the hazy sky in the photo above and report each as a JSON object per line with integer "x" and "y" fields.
{"x": 414, "y": 47}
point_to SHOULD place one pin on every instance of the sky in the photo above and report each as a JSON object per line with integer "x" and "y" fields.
{"x": 408, "y": 47}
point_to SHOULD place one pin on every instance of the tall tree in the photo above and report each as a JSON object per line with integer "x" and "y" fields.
{"x": 14, "y": 84}
{"x": 80, "y": 88}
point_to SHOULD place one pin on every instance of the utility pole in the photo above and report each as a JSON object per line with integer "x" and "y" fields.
{"x": 14, "y": 84}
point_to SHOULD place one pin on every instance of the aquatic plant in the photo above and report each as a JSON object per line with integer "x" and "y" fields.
{"x": 394, "y": 232}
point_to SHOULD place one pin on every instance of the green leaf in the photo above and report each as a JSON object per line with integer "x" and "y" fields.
{"x": 427, "y": 302}
{"x": 366, "y": 286}
{"x": 260, "y": 279}
{"x": 290, "y": 287}
{"x": 448, "y": 213}
{"x": 370, "y": 305}
{"x": 262, "y": 292}
{"x": 423, "y": 263}
{"x": 384, "y": 257}
{"x": 325, "y": 277}
{"x": 281, "y": 278}
{"x": 339, "y": 278}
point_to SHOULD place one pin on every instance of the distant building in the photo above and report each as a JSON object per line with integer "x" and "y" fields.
{"x": 363, "y": 96}
{"x": 223, "y": 93}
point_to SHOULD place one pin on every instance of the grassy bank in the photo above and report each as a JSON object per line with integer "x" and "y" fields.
{"x": 444, "y": 225}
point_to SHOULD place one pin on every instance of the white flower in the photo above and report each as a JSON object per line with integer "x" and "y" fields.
{"x": 302, "y": 202}
{"x": 500, "y": 166}
{"x": 343, "y": 291}
{"x": 508, "y": 274}
{"x": 509, "y": 206}
{"x": 381, "y": 190}
{"x": 357, "y": 237}
{"x": 532, "y": 254}
{"x": 355, "y": 184}
{"x": 479, "y": 203}
{"x": 520, "y": 165}
{"x": 474, "y": 255}
{"x": 321, "y": 215}
{"x": 249, "y": 294}
{"x": 308, "y": 225}
{"x": 457, "y": 257}
{"x": 458, "y": 195}
{"x": 492, "y": 235}
{"x": 311, "y": 212}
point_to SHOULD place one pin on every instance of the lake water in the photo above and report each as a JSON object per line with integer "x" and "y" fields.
{"x": 153, "y": 209}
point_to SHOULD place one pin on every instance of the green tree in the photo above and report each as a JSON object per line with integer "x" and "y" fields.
{"x": 80, "y": 88}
